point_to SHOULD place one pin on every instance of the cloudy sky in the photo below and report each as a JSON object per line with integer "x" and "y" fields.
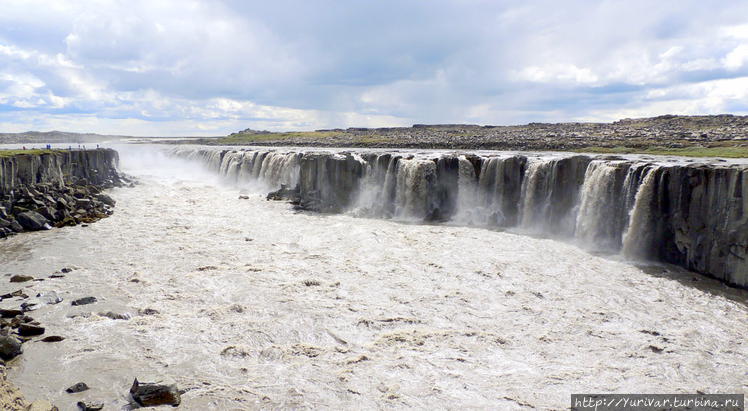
{"x": 187, "y": 67}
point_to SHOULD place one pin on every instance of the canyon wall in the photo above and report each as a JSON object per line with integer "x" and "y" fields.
{"x": 652, "y": 209}
{"x": 41, "y": 189}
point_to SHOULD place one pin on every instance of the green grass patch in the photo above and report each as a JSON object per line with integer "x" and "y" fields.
{"x": 34, "y": 152}
{"x": 728, "y": 152}
{"x": 373, "y": 139}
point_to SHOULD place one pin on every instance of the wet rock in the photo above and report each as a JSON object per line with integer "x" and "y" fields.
{"x": 28, "y": 330}
{"x": 148, "y": 311}
{"x": 84, "y": 301}
{"x": 17, "y": 293}
{"x": 78, "y": 387}
{"x": 42, "y": 405}
{"x": 56, "y": 276}
{"x": 52, "y": 338}
{"x": 284, "y": 193}
{"x": 243, "y": 197}
{"x": 106, "y": 199}
{"x": 29, "y": 306}
{"x": 10, "y": 347}
{"x": 151, "y": 394}
{"x": 115, "y": 316}
{"x": 66, "y": 270}
{"x": 655, "y": 349}
{"x": 33, "y": 221}
{"x": 90, "y": 406}
{"x": 84, "y": 204}
{"x": 6, "y": 313}
{"x": 20, "y": 278}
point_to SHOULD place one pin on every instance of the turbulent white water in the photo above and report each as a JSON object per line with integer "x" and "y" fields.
{"x": 263, "y": 307}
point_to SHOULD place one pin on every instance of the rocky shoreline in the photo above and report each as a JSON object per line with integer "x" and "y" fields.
{"x": 42, "y": 189}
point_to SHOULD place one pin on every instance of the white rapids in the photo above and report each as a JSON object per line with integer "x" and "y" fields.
{"x": 263, "y": 307}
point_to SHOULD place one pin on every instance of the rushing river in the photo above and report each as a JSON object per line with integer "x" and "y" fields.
{"x": 259, "y": 306}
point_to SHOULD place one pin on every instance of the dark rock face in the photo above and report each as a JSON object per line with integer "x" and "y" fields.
{"x": 690, "y": 214}
{"x": 38, "y": 191}
{"x": 152, "y": 394}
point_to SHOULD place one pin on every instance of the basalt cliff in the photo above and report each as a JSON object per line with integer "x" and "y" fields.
{"x": 40, "y": 189}
{"x": 689, "y": 213}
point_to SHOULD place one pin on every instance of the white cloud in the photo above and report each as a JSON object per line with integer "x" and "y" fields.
{"x": 558, "y": 73}
{"x": 220, "y": 66}
{"x": 737, "y": 58}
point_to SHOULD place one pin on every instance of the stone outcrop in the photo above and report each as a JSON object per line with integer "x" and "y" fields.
{"x": 39, "y": 190}
{"x": 694, "y": 215}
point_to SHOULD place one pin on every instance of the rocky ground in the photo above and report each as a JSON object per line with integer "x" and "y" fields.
{"x": 724, "y": 132}
{"x": 43, "y": 206}
{"x": 17, "y": 327}
{"x": 41, "y": 189}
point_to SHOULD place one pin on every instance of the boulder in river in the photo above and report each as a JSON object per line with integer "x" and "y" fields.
{"x": 33, "y": 221}
{"x": 8, "y": 313}
{"x": 77, "y": 387}
{"x": 84, "y": 301}
{"x": 90, "y": 406}
{"x": 10, "y": 347}
{"x": 28, "y": 330}
{"x": 20, "y": 278}
{"x": 115, "y": 316}
{"x": 149, "y": 394}
{"x": 105, "y": 199}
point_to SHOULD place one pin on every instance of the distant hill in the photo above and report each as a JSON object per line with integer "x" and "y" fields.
{"x": 31, "y": 137}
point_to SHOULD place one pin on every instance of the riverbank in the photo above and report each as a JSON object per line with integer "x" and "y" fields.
{"x": 41, "y": 189}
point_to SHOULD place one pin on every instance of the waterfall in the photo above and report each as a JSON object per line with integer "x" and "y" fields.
{"x": 639, "y": 237}
{"x": 685, "y": 214}
{"x": 414, "y": 192}
{"x": 376, "y": 196}
{"x": 468, "y": 211}
{"x": 602, "y": 216}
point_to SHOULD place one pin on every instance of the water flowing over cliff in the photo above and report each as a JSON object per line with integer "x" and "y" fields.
{"x": 689, "y": 214}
